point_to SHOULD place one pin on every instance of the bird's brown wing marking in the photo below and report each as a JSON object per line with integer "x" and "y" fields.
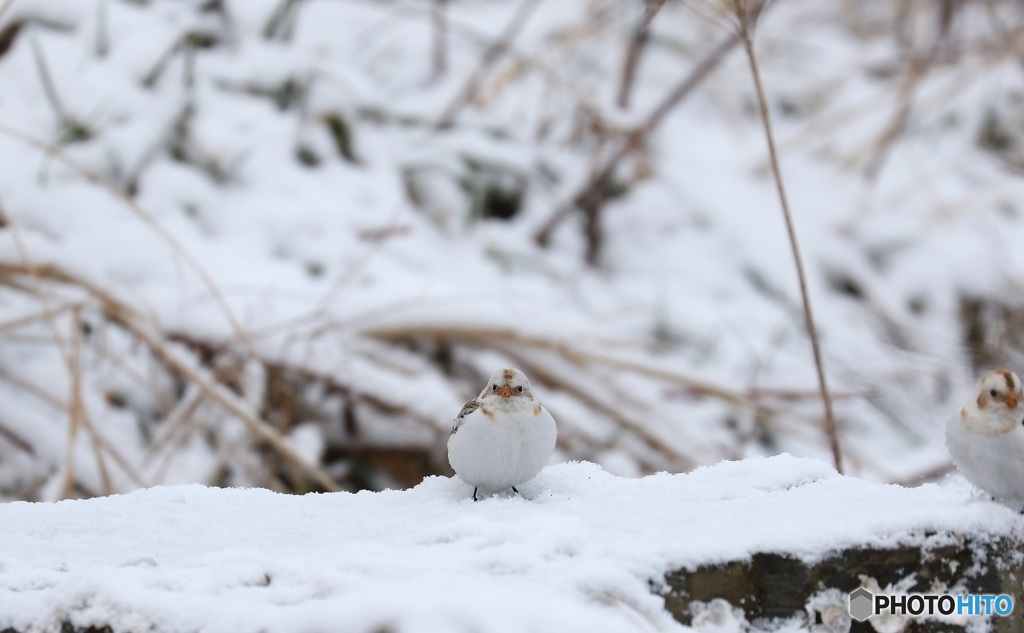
{"x": 1008, "y": 377}
{"x": 467, "y": 408}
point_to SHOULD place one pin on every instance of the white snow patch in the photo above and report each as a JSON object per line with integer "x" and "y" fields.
{"x": 575, "y": 552}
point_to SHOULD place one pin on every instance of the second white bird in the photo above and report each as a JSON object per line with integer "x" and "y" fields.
{"x": 986, "y": 440}
{"x": 502, "y": 438}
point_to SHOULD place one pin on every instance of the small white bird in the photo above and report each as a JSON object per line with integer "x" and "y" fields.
{"x": 986, "y": 440}
{"x": 502, "y": 438}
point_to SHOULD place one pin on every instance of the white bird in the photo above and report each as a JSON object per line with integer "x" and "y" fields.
{"x": 986, "y": 440}
{"x": 504, "y": 437}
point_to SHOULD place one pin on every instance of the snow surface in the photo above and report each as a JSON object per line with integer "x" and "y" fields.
{"x": 578, "y": 551}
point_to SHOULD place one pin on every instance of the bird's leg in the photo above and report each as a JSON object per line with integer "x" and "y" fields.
{"x": 514, "y": 490}
{"x": 474, "y": 494}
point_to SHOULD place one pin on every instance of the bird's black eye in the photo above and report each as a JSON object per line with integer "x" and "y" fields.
{"x": 993, "y": 393}
{"x": 519, "y": 389}
{"x": 494, "y": 387}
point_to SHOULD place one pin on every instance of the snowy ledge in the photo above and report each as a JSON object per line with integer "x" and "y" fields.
{"x": 584, "y": 550}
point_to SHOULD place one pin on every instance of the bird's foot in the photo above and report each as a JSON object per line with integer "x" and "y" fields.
{"x": 474, "y": 494}
{"x": 515, "y": 491}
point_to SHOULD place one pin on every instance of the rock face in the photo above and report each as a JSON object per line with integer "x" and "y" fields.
{"x": 777, "y": 586}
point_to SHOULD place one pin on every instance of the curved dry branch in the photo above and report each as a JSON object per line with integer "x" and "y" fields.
{"x": 487, "y": 334}
{"x": 131, "y": 320}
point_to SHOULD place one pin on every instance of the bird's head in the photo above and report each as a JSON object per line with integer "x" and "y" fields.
{"x": 508, "y": 384}
{"x": 998, "y": 405}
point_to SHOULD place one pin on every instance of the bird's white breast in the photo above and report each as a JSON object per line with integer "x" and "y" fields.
{"x": 496, "y": 448}
{"x": 994, "y": 463}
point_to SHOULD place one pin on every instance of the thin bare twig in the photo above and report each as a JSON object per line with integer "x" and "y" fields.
{"x": 71, "y": 129}
{"x": 281, "y": 24}
{"x": 748, "y": 12}
{"x": 49, "y": 89}
{"x": 16, "y": 440}
{"x": 634, "y": 48}
{"x": 150, "y": 78}
{"x": 592, "y": 193}
{"x": 491, "y": 57}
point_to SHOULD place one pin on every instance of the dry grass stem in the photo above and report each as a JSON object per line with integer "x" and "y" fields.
{"x": 28, "y": 319}
{"x": 74, "y": 421}
{"x": 748, "y": 13}
{"x": 634, "y": 48}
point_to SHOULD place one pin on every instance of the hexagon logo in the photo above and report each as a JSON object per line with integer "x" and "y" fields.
{"x": 861, "y": 604}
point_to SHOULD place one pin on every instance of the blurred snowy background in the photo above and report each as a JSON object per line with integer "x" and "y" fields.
{"x": 280, "y": 242}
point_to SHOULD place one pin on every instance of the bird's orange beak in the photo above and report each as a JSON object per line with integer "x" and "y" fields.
{"x": 1011, "y": 401}
{"x": 506, "y": 391}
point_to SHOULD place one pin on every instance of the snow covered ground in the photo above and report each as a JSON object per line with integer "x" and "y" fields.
{"x": 581, "y": 550}
{"x": 255, "y": 259}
